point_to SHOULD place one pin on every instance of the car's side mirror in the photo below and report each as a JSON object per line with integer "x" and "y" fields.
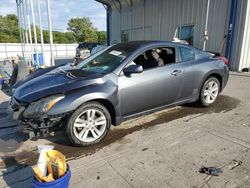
{"x": 132, "y": 69}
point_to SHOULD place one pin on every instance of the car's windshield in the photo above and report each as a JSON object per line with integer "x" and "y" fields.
{"x": 107, "y": 59}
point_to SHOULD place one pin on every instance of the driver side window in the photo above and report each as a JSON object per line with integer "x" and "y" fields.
{"x": 156, "y": 57}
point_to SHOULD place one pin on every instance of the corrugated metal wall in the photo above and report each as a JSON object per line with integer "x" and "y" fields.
{"x": 158, "y": 19}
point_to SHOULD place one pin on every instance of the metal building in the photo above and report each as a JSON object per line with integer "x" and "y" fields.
{"x": 227, "y": 23}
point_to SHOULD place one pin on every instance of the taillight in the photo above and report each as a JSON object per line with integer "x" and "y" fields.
{"x": 224, "y": 59}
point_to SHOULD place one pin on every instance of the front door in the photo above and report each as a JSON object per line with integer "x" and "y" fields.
{"x": 152, "y": 88}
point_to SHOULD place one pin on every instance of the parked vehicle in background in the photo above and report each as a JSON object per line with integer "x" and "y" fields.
{"x": 1, "y": 81}
{"x": 83, "y": 46}
{"x": 6, "y": 69}
{"x": 97, "y": 49}
{"x": 118, "y": 83}
{"x": 20, "y": 71}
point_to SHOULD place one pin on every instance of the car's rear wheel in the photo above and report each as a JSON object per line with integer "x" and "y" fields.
{"x": 210, "y": 91}
{"x": 88, "y": 124}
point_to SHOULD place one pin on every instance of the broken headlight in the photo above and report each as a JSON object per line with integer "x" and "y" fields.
{"x": 41, "y": 107}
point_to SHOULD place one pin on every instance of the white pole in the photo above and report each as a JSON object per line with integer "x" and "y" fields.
{"x": 40, "y": 25}
{"x": 205, "y": 39}
{"x": 27, "y": 28}
{"x": 20, "y": 28}
{"x": 34, "y": 29}
{"x": 50, "y": 33}
{"x": 23, "y": 29}
{"x": 31, "y": 43}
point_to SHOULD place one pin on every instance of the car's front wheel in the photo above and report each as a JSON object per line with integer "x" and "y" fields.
{"x": 210, "y": 91}
{"x": 88, "y": 124}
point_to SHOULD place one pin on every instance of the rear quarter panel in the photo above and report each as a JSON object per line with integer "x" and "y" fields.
{"x": 198, "y": 71}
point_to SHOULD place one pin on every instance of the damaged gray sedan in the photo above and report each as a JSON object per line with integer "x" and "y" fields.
{"x": 118, "y": 83}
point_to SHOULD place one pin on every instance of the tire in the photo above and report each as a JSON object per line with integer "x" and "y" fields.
{"x": 210, "y": 91}
{"x": 88, "y": 124}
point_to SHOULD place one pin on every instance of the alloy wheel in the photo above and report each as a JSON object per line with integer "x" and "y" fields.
{"x": 211, "y": 92}
{"x": 90, "y": 125}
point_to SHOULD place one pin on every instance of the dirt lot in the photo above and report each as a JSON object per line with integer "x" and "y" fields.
{"x": 164, "y": 149}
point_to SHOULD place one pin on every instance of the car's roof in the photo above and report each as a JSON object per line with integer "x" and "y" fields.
{"x": 144, "y": 43}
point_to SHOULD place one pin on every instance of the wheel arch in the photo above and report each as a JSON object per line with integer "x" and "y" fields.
{"x": 213, "y": 74}
{"x": 74, "y": 102}
{"x": 107, "y": 104}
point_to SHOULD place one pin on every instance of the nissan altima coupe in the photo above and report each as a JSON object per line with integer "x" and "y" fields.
{"x": 118, "y": 83}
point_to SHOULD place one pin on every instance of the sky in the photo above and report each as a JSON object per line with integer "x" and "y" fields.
{"x": 62, "y": 11}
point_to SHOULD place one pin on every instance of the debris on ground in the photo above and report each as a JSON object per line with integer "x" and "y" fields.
{"x": 42, "y": 160}
{"x": 234, "y": 164}
{"x": 213, "y": 171}
{"x": 51, "y": 164}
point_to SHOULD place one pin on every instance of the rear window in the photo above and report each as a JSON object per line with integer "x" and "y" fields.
{"x": 186, "y": 54}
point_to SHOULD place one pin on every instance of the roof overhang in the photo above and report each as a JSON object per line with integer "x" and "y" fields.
{"x": 116, "y": 4}
{"x": 106, "y": 2}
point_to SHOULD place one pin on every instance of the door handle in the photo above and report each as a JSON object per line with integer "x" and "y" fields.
{"x": 176, "y": 72}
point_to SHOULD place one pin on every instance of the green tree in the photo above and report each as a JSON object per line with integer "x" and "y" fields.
{"x": 83, "y": 29}
{"x": 46, "y": 36}
{"x": 6, "y": 38}
{"x": 80, "y": 30}
{"x": 70, "y": 37}
{"x": 9, "y": 30}
{"x": 59, "y": 38}
{"x": 102, "y": 37}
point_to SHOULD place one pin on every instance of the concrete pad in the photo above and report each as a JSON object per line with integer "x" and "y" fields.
{"x": 164, "y": 149}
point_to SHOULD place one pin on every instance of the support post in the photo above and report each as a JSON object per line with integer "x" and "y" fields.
{"x": 34, "y": 30}
{"x": 23, "y": 30}
{"x": 28, "y": 47}
{"x": 30, "y": 36}
{"x": 29, "y": 30}
{"x": 50, "y": 33}
{"x": 20, "y": 26}
{"x": 205, "y": 39}
{"x": 40, "y": 26}
{"x": 231, "y": 25}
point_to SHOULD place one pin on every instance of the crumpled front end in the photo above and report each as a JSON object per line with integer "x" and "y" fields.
{"x": 34, "y": 100}
{"x": 34, "y": 116}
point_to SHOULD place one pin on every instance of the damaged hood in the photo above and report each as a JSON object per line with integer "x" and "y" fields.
{"x": 57, "y": 81}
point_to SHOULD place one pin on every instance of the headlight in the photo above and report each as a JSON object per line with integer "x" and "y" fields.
{"x": 41, "y": 107}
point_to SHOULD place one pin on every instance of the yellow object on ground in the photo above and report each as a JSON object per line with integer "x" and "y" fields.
{"x": 56, "y": 163}
{"x": 56, "y": 167}
{"x": 40, "y": 177}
